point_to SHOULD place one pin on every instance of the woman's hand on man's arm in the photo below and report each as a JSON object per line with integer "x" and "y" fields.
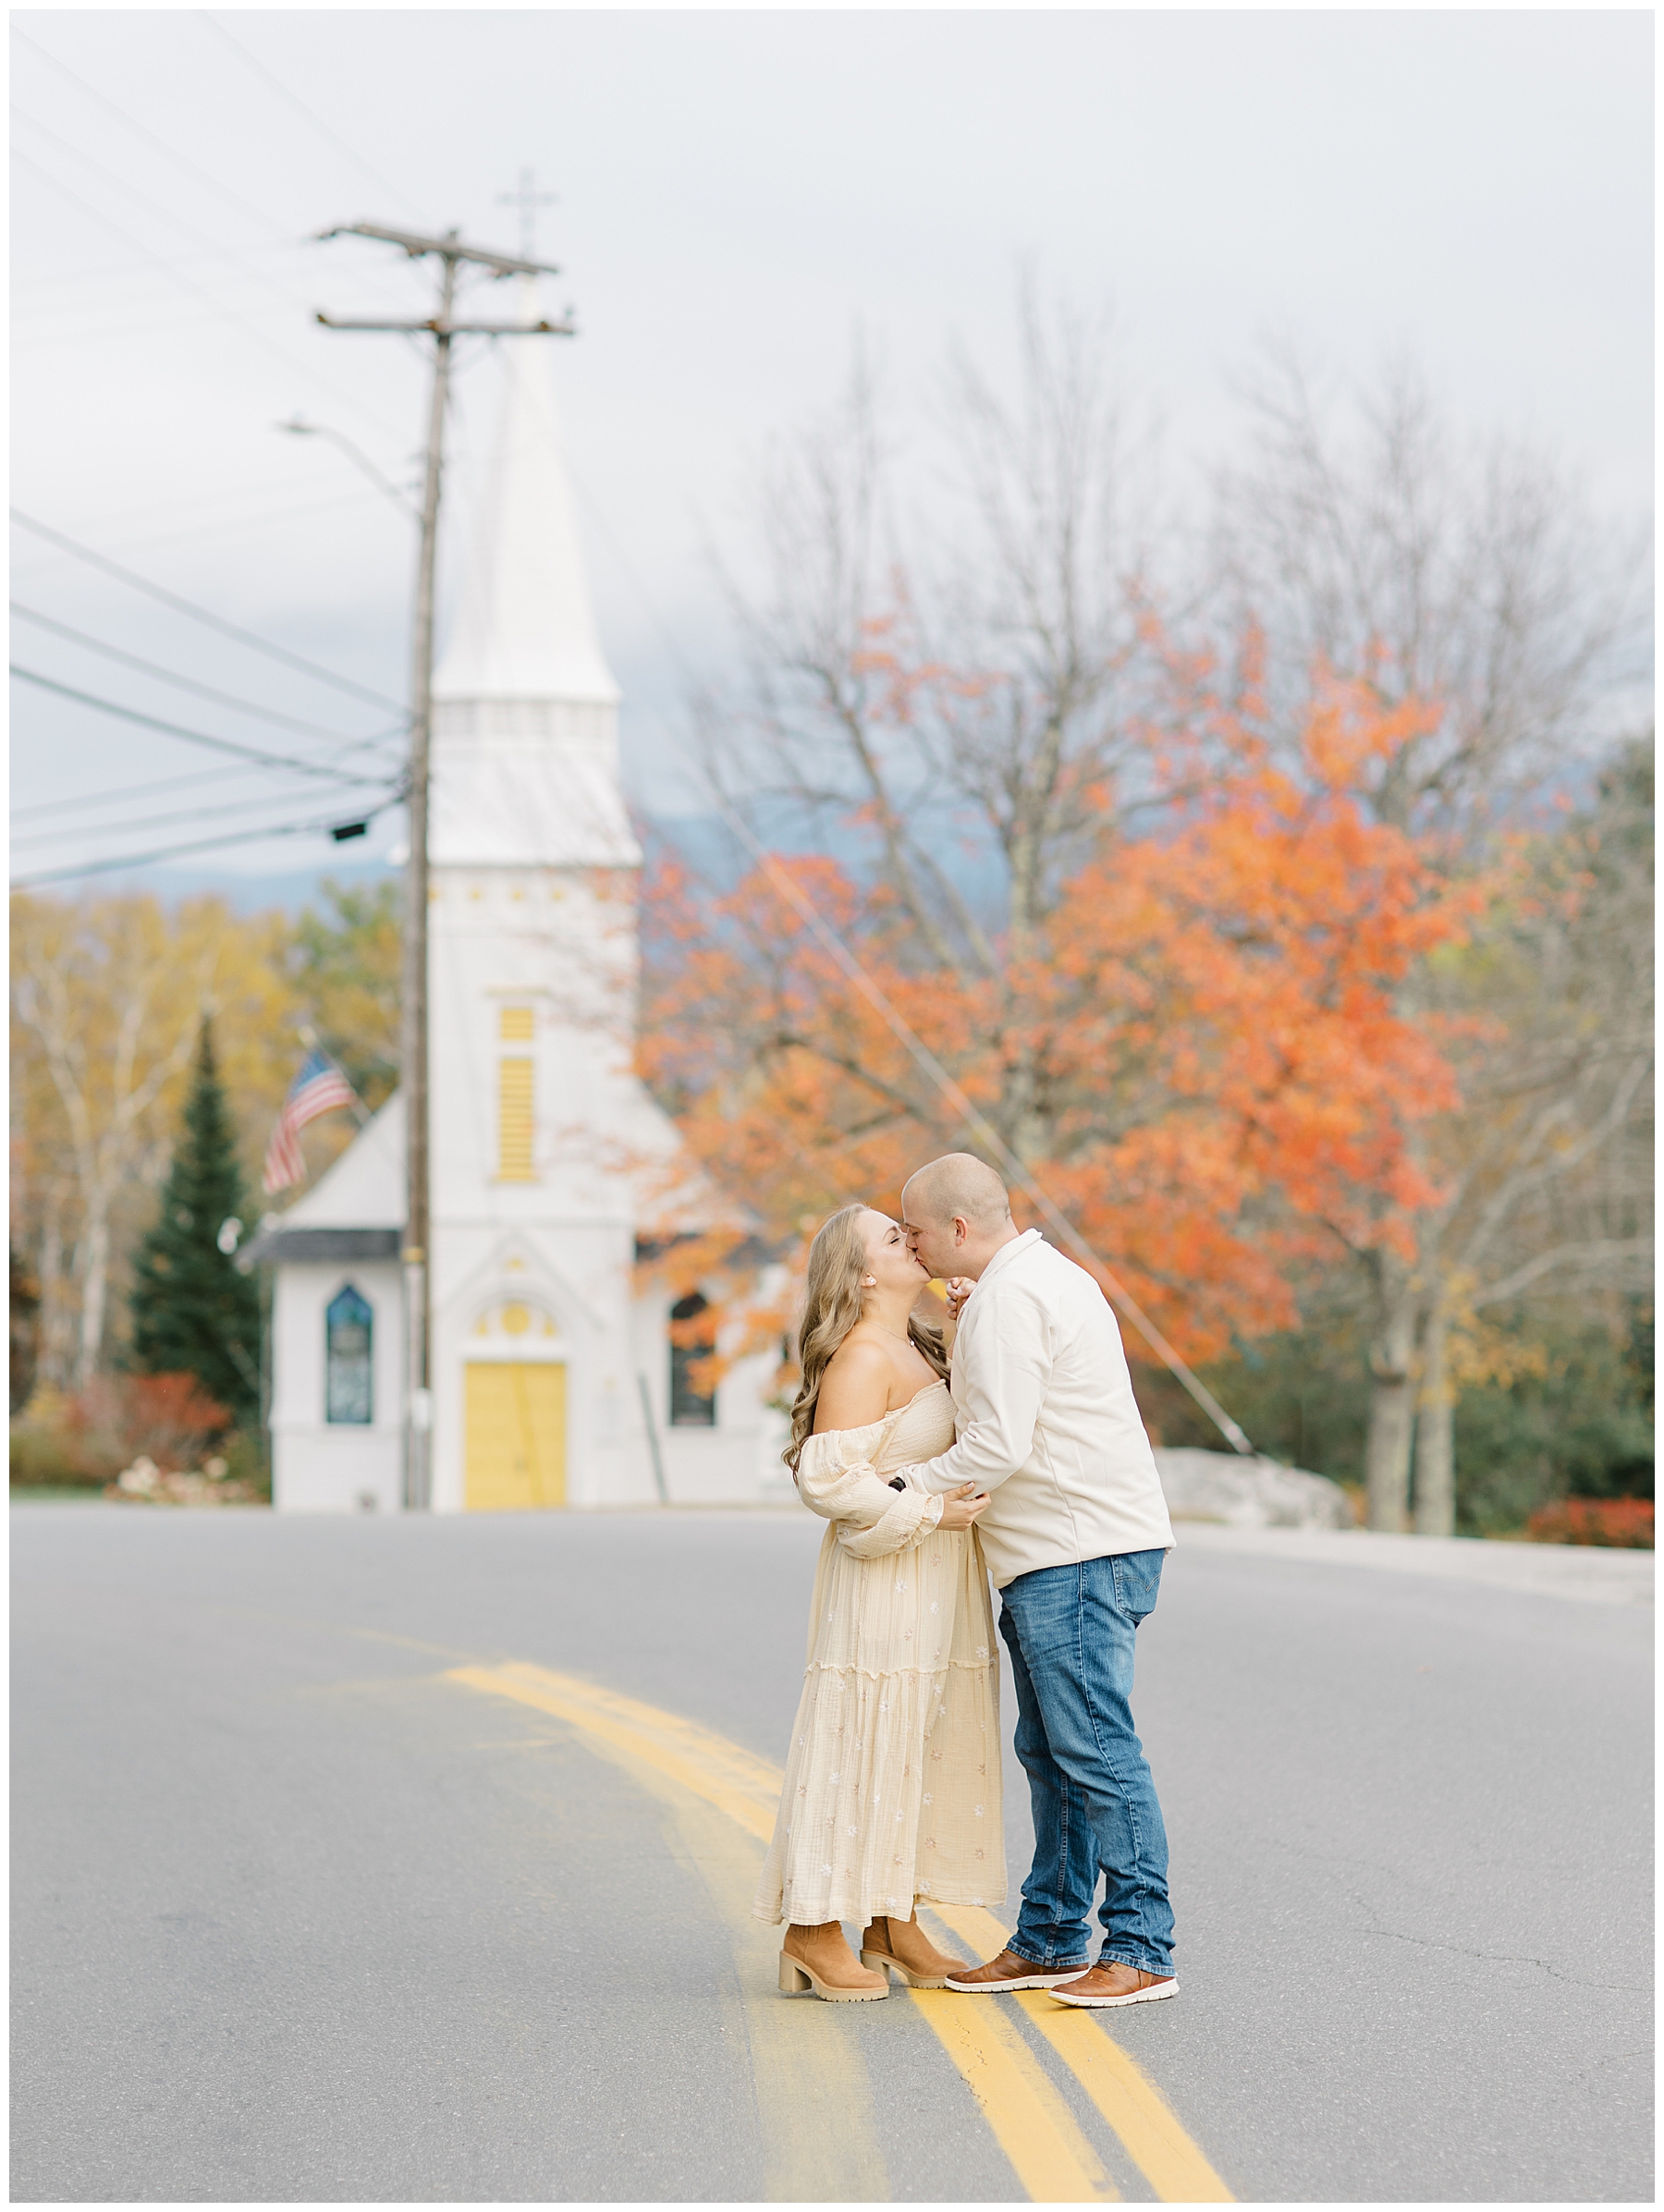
{"x": 961, "y": 1507}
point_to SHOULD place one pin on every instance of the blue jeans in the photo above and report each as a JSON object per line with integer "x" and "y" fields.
{"x": 1069, "y": 1630}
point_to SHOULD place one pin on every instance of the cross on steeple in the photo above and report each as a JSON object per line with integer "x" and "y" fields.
{"x": 527, "y": 198}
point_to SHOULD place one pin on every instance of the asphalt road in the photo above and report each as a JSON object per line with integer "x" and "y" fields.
{"x": 300, "y": 1914}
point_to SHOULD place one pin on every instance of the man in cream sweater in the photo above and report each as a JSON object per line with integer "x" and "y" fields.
{"x": 1074, "y": 1533}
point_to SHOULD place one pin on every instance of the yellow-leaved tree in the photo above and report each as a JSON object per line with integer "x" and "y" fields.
{"x": 108, "y": 995}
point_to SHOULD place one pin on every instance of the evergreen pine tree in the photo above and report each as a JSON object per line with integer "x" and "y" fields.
{"x": 193, "y": 1313}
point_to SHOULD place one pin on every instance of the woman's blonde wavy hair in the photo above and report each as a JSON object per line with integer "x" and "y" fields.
{"x": 833, "y": 1300}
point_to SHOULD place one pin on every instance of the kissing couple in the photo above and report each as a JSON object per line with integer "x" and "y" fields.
{"x": 1022, "y": 1453}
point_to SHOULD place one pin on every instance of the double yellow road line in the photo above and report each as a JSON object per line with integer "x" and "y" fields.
{"x": 1048, "y": 2150}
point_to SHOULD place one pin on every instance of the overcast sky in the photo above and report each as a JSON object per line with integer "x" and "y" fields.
{"x": 738, "y": 193}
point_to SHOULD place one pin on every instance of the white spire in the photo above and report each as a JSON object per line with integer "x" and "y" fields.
{"x": 525, "y": 756}
{"x": 526, "y": 629}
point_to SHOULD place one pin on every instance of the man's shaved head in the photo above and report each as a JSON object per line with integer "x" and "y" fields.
{"x": 957, "y": 1185}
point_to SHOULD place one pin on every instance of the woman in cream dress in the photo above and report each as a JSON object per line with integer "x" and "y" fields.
{"x": 892, "y": 1787}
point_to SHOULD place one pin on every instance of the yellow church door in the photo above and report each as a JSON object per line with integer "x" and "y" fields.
{"x": 515, "y": 1436}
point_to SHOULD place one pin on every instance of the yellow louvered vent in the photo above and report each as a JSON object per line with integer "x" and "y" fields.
{"x": 514, "y": 1025}
{"x": 514, "y": 1121}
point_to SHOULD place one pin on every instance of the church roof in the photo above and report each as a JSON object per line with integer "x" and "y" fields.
{"x": 363, "y": 1187}
{"x": 526, "y": 628}
{"x": 356, "y": 1209}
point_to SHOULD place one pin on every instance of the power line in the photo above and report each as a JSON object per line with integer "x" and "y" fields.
{"x": 191, "y": 502}
{"x": 194, "y": 737}
{"x": 53, "y": 295}
{"x": 166, "y": 821}
{"x": 169, "y": 852}
{"x": 157, "y": 260}
{"x": 235, "y": 253}
{"x": 185, "y": 606}
{"x": 341, "y": 145}
{"x": 151, "y": 788}
{"x": 43, "y": 337}
{"x": 129, "y": 191}
{"x": 189, "y": 683}
{"x": 226, "y": 314}
{"x": 250, "y": 517}
{"x": 161, "y": 144}
{"x": 82, "y": 799}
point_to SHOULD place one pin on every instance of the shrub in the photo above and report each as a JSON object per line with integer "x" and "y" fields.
{"x": 1626, "y": 1522}
{"x": 168, "y": 1418}
{"x": 44, "y": 1454}
{"x": 87, "y": 1439}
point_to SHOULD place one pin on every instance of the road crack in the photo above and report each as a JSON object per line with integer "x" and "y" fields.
{"x": 1497, "y": 1958}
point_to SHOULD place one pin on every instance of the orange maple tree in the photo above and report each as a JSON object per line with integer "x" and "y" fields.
{"x": 1217, "y": 1074}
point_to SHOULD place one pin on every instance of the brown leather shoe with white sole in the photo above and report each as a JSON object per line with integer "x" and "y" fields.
{"x": 1007, "y": 1971}
{"x": 1113, "y": 1984}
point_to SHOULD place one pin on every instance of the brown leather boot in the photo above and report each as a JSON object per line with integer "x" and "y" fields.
{"x": 820, "y": 1959}
{"x": 1008, "y": 1971}
{"x": 1110, "y": 1982}
{"x": 903, "y": 1947}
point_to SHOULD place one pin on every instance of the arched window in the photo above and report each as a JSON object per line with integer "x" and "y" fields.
{"x": 690, "y": 1408}
{"x": 348, "y": 1336}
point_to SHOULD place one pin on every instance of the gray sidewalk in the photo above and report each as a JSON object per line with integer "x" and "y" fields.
{"x": 1576, "y": 1570}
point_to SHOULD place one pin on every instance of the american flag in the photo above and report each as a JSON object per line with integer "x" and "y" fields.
{"x": 319, "y": 1088}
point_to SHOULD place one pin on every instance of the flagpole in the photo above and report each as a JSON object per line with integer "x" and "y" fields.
{"x": 358, "y": 1110}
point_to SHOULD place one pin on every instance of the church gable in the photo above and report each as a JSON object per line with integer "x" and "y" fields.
{"x": 516, "y": 1292}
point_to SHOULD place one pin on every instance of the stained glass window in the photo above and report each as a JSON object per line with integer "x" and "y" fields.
{"x": 348, "y": 1333}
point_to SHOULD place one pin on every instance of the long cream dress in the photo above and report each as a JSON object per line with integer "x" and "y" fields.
{"x": 893, "y": 1781}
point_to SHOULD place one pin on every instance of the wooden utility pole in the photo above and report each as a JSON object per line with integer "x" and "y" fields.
{"x": 451, "y": 253}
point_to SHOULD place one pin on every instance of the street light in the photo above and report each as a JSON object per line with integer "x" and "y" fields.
{"x": 300, "y": 428}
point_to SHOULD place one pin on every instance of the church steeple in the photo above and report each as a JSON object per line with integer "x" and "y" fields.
{"x": 525, "y": 709}
{"x": 526, "y": 628}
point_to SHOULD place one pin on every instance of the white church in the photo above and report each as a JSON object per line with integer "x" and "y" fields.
{"x": 554, "y": 1377}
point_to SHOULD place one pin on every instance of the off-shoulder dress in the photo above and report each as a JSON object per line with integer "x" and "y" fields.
{"x": 892, "y": 1787}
